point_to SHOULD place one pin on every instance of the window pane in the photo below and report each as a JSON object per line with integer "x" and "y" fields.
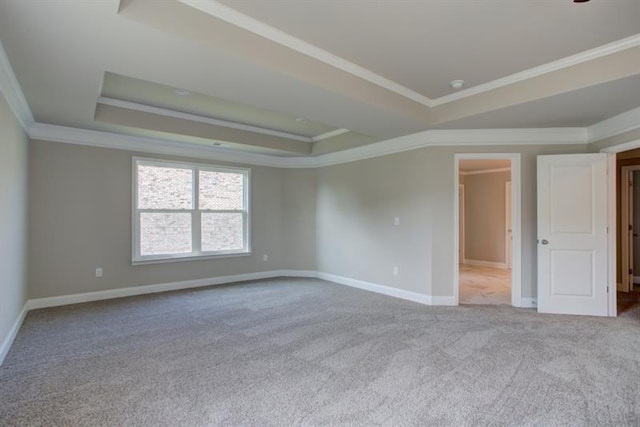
{"x": 221, "y": 190}
{"x": 165, "y": 233}
{"x": 222, "y": 231}
{"x": 164, "y": 188}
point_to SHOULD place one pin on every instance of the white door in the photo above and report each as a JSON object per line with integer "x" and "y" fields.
{"x": 572, "y": 234}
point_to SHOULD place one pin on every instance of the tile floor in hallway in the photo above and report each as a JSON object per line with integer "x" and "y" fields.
{"x": 484, "y": 285}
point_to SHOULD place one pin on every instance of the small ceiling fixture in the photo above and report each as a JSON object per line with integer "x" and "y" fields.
{"x": 181, "y": 92}
{"x": 456, "y": 84}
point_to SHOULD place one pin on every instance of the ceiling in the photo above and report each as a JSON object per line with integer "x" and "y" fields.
{"x": 314, "y": 76}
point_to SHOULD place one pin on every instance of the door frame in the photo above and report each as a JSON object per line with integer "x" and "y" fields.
{"x": 624, "y": 221}
{"x": 508, "y": 242}
{"x": 516, "y": 246}
{"x": 461, "y": 223}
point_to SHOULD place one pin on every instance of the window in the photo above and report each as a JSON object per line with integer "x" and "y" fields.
{"x": 186, "y": 210}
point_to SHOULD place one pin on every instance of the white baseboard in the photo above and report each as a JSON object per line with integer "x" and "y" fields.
{"x": 437, "y": 300}
{"x": 298, "y": 273}
{"x": 6, "y": 344}
{"x": 147, "y": 289}
{"x": 481, "y": 263}
{"x": 374, "y": 287}
{"x": 529, "y": 302}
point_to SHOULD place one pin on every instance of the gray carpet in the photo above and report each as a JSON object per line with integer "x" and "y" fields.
{"x": 308, "y": 352}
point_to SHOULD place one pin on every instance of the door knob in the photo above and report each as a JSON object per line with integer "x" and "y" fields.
{"x": 544, "y": 242}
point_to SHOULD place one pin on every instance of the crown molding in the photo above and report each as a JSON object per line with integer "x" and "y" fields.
{"x": 234, "y": 17}
{"x": 329, "y": 134}
{"x": 466, "y": 137}
{"x": 201, "y": 119}
{"x": 430, "y": 138}
{"x": 93, "y": 138}
{"x": 615, "y": 125}
{"x": 569, "y": 61}
{"x": 12, "y": 92}
{"x": 484, "y": 171}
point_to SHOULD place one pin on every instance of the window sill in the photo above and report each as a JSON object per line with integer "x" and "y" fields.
{"x": 190, "y": 258}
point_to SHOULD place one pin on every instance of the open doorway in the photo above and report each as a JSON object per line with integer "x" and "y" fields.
{"x": 628, "y": 229}
{"x": 487, "y": 229}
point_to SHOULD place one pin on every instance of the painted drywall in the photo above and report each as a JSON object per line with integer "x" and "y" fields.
{"x": 81, "y": 219}
{"x": 357, "y": 202}
{"x": 356, "y": 235}
{"x": 299, "y": 219}
{"x": 13, "y": 214}
{"x": 485, "y": 216}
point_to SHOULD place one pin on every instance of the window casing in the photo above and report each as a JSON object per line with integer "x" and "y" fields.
{"x": 183, "y": 211}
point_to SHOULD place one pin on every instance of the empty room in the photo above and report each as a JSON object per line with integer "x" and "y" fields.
{"x": 319, "y": 213}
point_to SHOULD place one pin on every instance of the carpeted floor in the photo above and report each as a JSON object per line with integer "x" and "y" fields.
{"x": 308, "y": 352}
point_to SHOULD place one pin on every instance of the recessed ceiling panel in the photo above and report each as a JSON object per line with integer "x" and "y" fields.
{"x": 423, "y": 45}
{"x": 126, "y": 88}
{"x": 579, "y": 108}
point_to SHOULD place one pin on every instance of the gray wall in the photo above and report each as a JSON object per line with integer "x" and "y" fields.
{"x": 337, "y": 219}
{"x": 485, "y": 216}
{"x": 80, "y": 219}
{"x": 299, "y": 219}
{"x": 13, "y": 213}
{"x": 357, "y": 202}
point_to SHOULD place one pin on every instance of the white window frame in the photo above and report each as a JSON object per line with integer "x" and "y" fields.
{"x": 195, "y": 211}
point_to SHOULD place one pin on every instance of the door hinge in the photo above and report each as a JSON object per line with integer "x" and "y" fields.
{"x": 630, "y": 271}
{"x": 607, "y": 288}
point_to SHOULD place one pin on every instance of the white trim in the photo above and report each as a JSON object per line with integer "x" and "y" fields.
{"x": 611, "y": 236}
{"x": 298, "y": 273}
{"x": 252, "y": 25}
{"x": 615, "y": 125}
{"x": 527, "y": 302}
{"x": 195, "y": 211}
{"x": 516, "y": 212}
{"x": 379, "y": 289}
{"x": 466, "y": 137}
{"x": 69, "y": 135}
{"x": 569, "y": 61}
{"x": 483, "y": 171}
{"x": 438, "y": 300}
{"x": 200, "y": 119}
{"x": 614, "y": 149}
{"x": 625, "y": 222}
{"x": 507, "y": 231}
{"x": 13, "y": 332}
{"x": 430, "y": 138}
{"x": 37, "y": 303}
{"x": 12, "y": 92}
{"x": 462, "y": 226}
{"x": 329, "y": 134}
{"x": 482, "y": 263}
{"x": 255, "y": 26}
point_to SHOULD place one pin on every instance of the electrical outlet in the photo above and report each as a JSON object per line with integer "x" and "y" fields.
{"x": 98, "y": 272}
{"x": 265, "y": 257}
{"x": 395, "y": 271}
{"x": 396, "y": 221}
